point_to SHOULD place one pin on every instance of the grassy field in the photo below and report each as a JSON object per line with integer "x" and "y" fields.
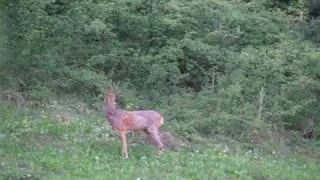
{"x": 35, "y": 144}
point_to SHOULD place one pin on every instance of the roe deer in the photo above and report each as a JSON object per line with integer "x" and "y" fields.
{"x": 124, "y": 121}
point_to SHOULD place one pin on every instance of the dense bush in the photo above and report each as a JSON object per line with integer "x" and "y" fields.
{"x": 210, "y": 66}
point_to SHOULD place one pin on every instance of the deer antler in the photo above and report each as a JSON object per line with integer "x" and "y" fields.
{"x": 113, "y": 87}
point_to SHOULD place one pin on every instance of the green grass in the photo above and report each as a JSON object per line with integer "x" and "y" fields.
{"x": 34, "y": 145}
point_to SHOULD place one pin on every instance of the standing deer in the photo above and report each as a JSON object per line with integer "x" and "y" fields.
{"x": 124, "y": 121}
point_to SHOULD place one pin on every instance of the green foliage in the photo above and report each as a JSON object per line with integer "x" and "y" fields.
{"x": 203, "y": 63}
{"x": 311, "y": 31}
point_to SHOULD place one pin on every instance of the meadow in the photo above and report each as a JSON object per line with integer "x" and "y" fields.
{"x": 38, "y": 144}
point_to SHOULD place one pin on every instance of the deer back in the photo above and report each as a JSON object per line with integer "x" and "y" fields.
{"x": 139, "y": 120}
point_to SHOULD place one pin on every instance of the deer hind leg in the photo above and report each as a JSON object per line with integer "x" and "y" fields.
{"x": 124, "y": 147}
{"x": 154, "y": 137}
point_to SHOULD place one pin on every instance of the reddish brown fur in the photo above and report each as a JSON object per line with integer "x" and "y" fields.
{"x": 124, "y": 121}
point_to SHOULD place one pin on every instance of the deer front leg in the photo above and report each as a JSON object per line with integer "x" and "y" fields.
{"x": 124, "y": 148}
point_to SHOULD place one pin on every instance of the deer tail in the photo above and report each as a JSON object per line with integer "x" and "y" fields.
{"x": 161, "y": 121}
